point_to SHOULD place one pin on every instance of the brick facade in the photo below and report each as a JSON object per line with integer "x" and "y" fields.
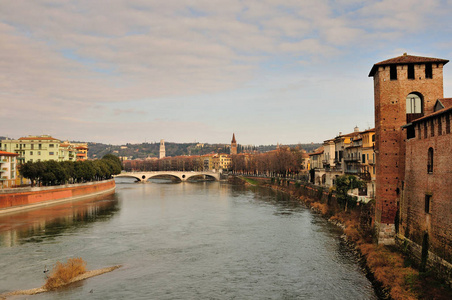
{"x": 425, "y": 207}
{"x": 394, "y": 80}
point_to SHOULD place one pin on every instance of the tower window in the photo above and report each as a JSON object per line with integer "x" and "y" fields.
{"x": 447, "y": 124}
{"x": 432, "y": 128}
{"x": 428, "y": 199}
{"x": 393, "y": 72}
{"x": 430, "y": 160}
{"x": 428, "y": 71}
{"x": 440, "y": 126}
{"x": 413, "y": 104}
{"x": 410, "y": 71}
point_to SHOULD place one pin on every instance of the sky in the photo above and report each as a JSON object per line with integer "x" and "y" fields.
{"x": 270, "y": 71}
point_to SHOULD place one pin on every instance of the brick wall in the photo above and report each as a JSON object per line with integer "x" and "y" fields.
{"x": 390, "y": 115}
{"x": 436, "y": 220}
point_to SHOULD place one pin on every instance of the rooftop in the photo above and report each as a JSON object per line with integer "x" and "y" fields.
{"x": 406, "y": 59}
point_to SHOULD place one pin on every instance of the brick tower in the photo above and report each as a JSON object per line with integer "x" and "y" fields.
{"x": 233, "y": 145}
{"x": 405, "y": 88}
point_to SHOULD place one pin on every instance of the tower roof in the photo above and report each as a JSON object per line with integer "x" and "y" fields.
{"x": 404, "y": 60}
{"x": 233, "y": 138}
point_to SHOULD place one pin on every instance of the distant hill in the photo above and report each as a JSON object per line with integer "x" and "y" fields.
{"x": 143, "y": 150}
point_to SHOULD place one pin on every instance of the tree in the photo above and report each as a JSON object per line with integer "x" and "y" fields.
{"x": 344, "y": 184}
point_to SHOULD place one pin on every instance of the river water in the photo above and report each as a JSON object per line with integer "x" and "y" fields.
{"x": 206, "y": 240}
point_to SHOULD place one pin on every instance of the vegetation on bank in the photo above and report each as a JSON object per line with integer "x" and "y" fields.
{"x": 51, "y": 172}
{"x": 389, "y": 266}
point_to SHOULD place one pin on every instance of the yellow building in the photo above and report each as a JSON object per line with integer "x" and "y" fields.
{"x": 44, "y": 148}
{"x": 33, "y": 148}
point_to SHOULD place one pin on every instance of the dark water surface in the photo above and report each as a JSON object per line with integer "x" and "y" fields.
{"x": 183, "y": 241}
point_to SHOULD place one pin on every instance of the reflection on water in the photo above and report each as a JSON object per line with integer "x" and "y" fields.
{"x": 205, "y": 240}
{"x": 35, "y": 226}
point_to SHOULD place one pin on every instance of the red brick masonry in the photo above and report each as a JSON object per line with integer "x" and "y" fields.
{"x": 22, "y": 197}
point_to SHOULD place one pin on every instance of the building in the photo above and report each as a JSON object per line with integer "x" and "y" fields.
{"x": 233, "y": 145}
{"x": 348, "y": 154}
{"x": 425, "y": 205}
{"x": 8, "y": 169}
{"x": 67, "y": 152}
{"x": 162, "y": 153}
{"x": 405, "y": 88}
{"x": 82, "y": 151}
{"x": 33, "y": 148}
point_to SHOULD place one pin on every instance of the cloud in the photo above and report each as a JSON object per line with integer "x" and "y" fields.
{"x": 88, "y": 61}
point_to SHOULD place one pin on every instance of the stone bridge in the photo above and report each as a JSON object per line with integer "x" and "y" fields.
{"x": 181, "y": 175}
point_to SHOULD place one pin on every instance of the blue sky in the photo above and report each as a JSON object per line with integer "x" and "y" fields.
{"x": 271, "y": 71}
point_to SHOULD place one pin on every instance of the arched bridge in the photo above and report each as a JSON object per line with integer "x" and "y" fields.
{"x": 182, "y": 175}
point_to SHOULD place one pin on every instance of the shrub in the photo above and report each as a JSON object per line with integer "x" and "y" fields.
{"x": 62, "y": 273}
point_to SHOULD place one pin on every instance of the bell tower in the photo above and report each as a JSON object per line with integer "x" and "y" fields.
{"x": 233, "y": 145}
{"x": 405, "y": 88}
{"x": 162, "y": 152}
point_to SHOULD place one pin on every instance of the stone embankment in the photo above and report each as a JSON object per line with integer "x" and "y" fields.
{"x": 17, "y": 199}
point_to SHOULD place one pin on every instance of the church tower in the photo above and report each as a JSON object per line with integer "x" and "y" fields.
{"x": 233, "y": 145}
{"x": 405, "y": 88}
{"x": 162, "y": 153}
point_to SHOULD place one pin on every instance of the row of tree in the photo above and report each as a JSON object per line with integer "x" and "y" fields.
{"x": 282, "y": 161}
{"x": 55, "y": 173}
{"x": 178, "y": 163}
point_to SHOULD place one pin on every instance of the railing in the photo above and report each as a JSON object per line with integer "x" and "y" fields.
{"x": 351, "y": 159}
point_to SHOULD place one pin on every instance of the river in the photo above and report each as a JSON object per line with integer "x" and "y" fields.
{"x": 207, "y": 240}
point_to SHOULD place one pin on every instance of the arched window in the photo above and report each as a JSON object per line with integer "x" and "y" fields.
{"x": 413, "y": 107}
{"x": 413, "y": 104}
{"x": 430, "y": 160}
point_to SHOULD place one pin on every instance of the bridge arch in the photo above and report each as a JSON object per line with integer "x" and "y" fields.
{"x": 181, "y": 175}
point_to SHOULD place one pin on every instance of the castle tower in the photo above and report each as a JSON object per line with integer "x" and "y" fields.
{"x": 233, "y": 145}
{"x": 405, "y": 88}
{"x": 162, "y": 149}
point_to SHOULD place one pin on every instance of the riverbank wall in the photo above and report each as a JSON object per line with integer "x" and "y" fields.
{"x": 16, "y": 199}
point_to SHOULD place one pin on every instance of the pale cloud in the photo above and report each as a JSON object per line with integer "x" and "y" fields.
{"x": 86, "y": 62}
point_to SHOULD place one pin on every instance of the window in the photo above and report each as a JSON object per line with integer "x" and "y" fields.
{"x": 432, "y": 128}
{"x": 428, "y": 71}
{"x": 51, "y": 153}
{"x": 447, "y": 124}
{"x": 428, "y": 199}
{"x": 430, "y": 160}
{"x": 31, "y": 152}
{"x": 364, "y": 158}
{"x": 413, "y": 104}
{"x": 51, "y": 145}
{"x": 440, "y": 126}
{"x": 393, "y": 72}
{"x": 410, "y": 71}
{"x": 39, "y": 152}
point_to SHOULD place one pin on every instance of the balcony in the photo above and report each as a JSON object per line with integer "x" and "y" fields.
{"x": 3, "y": 178}
{"x": 3, "y": 161}
{"x": 371, "y": 161}
{"x": 351, "y": 159}
{"x": 3, "y": 170}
